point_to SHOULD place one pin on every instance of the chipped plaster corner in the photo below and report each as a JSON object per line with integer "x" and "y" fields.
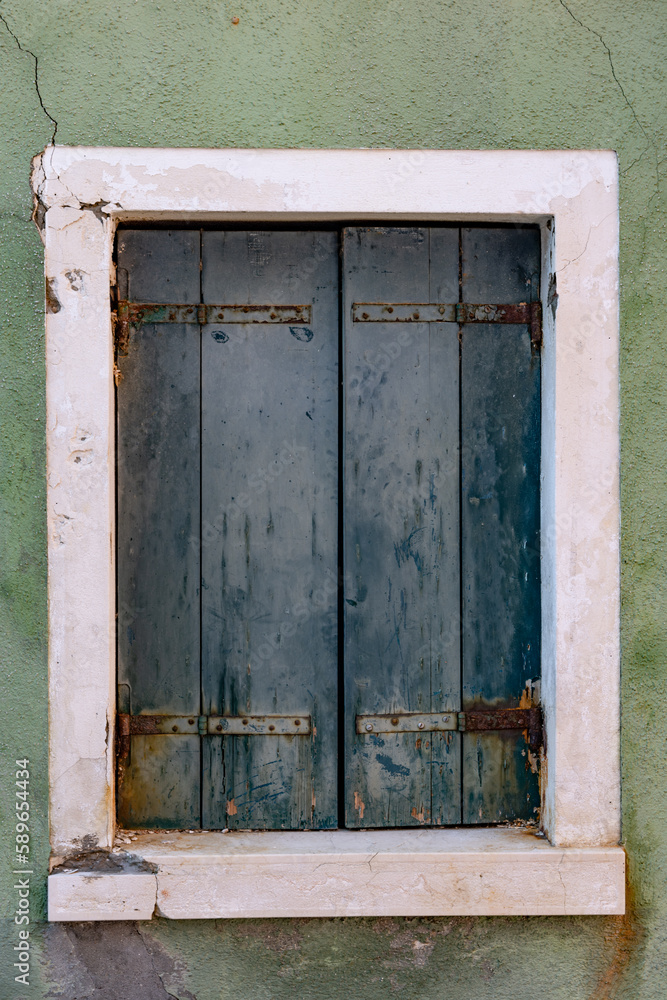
{"x": 37, "y": 180}
{"x": 82, "y": 193}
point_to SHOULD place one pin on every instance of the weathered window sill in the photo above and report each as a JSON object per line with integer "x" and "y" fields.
{"x": 343, "y": 873}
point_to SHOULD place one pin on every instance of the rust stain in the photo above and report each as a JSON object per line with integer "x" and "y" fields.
{"x": 359, "y": 805}
{"x": 231, "y": 808}
{"x": 526, "y": 697}
{"x": 624, "y": 936}
{"x": 419, "y": 816}
{"x": 123, "y": 746}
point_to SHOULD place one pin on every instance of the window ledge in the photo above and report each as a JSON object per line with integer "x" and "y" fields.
{"x": 342, "y": 873}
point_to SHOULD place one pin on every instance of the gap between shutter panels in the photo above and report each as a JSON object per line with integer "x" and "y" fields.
{"x": 133, "y": 313}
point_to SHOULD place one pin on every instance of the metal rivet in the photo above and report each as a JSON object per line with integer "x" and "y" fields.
{"x": 441, "y": 310}
{"x": 271, "y": 728}
{"x": 445, "y": 718}
{"x": 369, "y": 728}
{"x": 219, "y": 728}
{"x": 420, "y": 725}
{"x": 245, "y": 722}
{"x": 297, "y": 722}
{"x": 191, "y": 722}
{"x": 174, "y": 729}
{"x": 415, "y": 315}
{"x": 394, "y": 722}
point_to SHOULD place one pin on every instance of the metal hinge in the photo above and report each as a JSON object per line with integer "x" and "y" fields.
{"x": 475, "y": 721}
{"x": 207, "y": 725}
{"x": 517, "y": 313}
{"x": 129, "y": 314}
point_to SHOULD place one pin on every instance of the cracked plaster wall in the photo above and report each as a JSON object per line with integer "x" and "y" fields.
{"x": 485, "y": 74}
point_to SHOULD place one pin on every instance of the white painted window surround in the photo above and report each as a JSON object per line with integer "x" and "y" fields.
{"x": 577, "y": 865}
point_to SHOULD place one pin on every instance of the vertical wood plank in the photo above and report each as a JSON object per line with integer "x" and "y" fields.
{"x": 158, "y": 530}
{"x": 500, "y": 512}
{"x": 269, "y": 529}
{"x": 401, "y": 527}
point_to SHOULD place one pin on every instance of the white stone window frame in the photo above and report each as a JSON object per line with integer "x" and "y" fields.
{"x": 577, "y": 865}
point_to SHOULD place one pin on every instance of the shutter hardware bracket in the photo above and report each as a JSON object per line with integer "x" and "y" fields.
{"x": 132, "y": 314}
{"x": 475, "y": 721}
{"x": 207, "y": 725}
{"x": 515, "y": 313}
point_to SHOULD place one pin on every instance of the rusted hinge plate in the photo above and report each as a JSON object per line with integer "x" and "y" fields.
{"x": 214, "y": 725}
{"x": 136, "y": 313}
{"x": 518, "y": 313}
{"x": 129, "y": 314}
{"x": 476, "y": 721}
{"x": 407, "y": 722}
{"x": 259, "y": 725}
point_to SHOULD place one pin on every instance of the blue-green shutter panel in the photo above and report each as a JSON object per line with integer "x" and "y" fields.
{"x": 270, "y": 529}
{"x": 401, "y": 527}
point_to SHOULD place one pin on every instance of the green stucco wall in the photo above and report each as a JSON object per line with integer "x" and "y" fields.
{"x": 479, "y": 74}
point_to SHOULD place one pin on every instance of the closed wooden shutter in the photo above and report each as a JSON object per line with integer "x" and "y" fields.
{"x": 158, "y": 483}
{"x": 328, "y": 519}
{"x": 401, "y": 517}
{"x": 270, "y": 529}
{"x": 500, "y": 521}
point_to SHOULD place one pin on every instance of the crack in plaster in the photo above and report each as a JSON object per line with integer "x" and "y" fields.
{"x": 650, "y": 142}
{"x": 588, "y": 239}
{"x": 560, "y": 879}
{"x": 100, "y": 209}
{"x": 29, "y": 52}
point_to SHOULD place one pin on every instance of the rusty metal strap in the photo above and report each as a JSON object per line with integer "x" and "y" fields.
{"x": 517, "y": 313}
{"x": 205, "y": 725}
{"x": 476, "y": 721}
{"x": 134, "y": 314}
{"x": 137, "y": 313}
{"x": 499, "y": 719}
{"x": 214, "y": 725}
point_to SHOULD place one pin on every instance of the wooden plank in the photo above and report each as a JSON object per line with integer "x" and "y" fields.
{"x": 269, "y": 529}
{"x": 500, "y": 512}
{"x": 401, "y": 534}
{"x": 158, "y": 530}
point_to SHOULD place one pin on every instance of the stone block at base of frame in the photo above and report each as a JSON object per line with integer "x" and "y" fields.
{"x": 81, "y": 895}
{"x": 200, "y": 874}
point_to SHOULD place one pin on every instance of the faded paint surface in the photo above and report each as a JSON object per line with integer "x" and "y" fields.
{"x": 580, "y": 75}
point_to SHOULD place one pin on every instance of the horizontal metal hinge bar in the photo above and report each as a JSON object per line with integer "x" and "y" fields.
{"x": 519, "y": 313}
{"x": 136, "y": 313}
{"x": 407, "y": 722}
{"x": 475, "y": 721}
{"x": 213, "y": 725}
